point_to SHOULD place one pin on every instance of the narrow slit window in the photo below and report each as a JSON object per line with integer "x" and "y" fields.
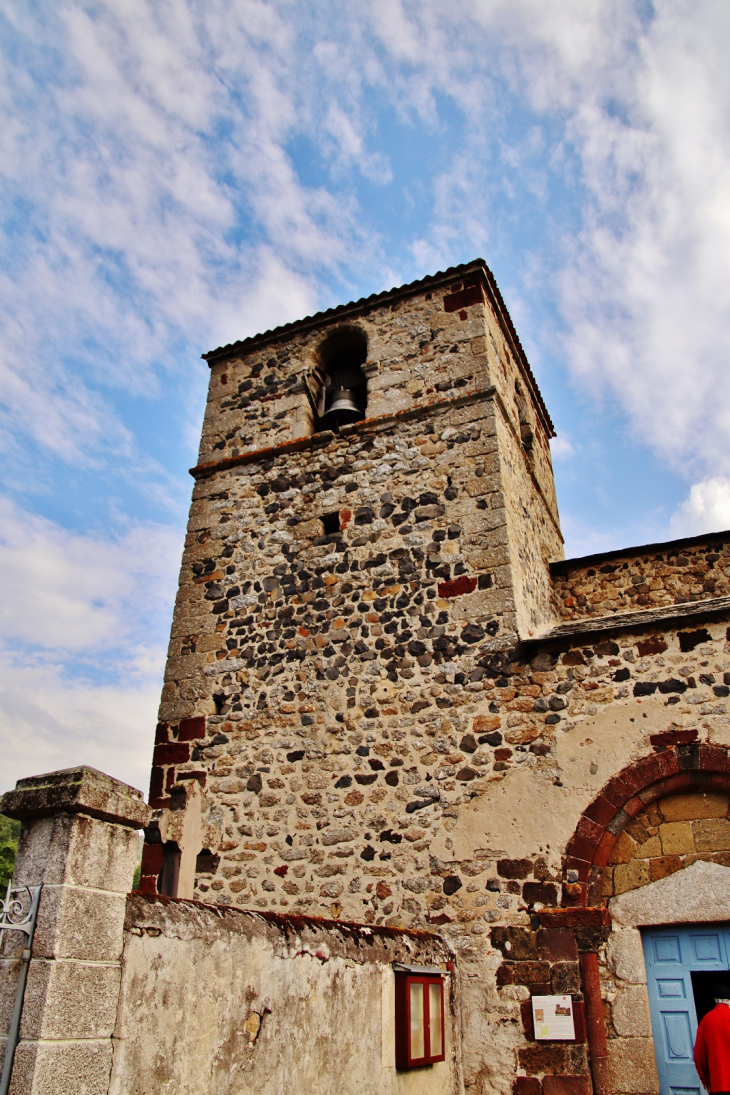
{"x": 419, "y": 1015}
{"x": 170, "y": 873}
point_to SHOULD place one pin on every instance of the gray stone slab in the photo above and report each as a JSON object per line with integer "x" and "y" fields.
{"x": 700, "y": 893}
{"x": 77, "y": 790}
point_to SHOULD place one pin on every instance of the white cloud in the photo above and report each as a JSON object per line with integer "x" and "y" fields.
{"x": 85, "y": 621}
{"x": 705, "y": 509}
{"x": 636, "y": 102}
{"x": 76, "y": 593}
{"x": 561, "y": 447}
{"x": 646, "y": 290}
{"x": 159, "y": 207}
{"x": 49, "y": 722}
{"x": 645, "y": 106}
{"x": 155, "y": 144}
{"x": 162, "y": 140}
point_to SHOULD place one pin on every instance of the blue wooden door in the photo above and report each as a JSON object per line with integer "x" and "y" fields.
{"x": 671, "y": 955}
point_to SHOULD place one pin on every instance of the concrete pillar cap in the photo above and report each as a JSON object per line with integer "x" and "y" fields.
{"x": 77, "y": 791}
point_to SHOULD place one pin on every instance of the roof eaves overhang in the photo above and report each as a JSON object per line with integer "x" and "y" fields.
{"x": 618, "y": 623}
{"x": 357, "y": 307}
{"x": 663, "y": 547}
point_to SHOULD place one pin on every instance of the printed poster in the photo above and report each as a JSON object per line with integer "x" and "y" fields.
{"x": 553, "y": 1018}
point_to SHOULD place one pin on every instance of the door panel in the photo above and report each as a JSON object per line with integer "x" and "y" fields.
{"x": 671, "y": 955}
{"x": 677, "y": 1035}
{"x": 666, "y": 987}
{"x": 665, "y": 948}
{"x": 707, "y": 948}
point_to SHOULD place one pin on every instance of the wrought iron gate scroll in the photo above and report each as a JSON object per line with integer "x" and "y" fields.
{"x": 18, "y": 913}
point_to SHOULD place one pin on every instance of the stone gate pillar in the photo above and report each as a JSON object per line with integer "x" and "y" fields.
{"x": 79, "y": 842}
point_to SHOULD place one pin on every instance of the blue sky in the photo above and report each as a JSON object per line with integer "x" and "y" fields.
{"x": 179, "y": 174}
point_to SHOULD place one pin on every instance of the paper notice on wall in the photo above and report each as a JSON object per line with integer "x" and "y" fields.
{"x": 553, "y": 1018}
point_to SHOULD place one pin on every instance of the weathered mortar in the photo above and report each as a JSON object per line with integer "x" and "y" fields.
{"x": 79, "y": 845}
{"x": 668, "y": 836}
{"x": 491, "y": 853}
{"x": 332, "y": 787}
{"x": 382, "y": 703}
{"x": 283, "y": 630}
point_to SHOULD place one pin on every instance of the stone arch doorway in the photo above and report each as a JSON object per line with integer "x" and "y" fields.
{"x": 652, "y": 849}
{"x": 669, "y": 867}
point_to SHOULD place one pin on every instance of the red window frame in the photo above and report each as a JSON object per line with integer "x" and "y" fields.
{"x": 403, "y": 1056}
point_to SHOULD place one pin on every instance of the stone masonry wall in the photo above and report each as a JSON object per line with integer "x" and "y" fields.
{"x": 417, "y": 351}
{"x": 279, "y": 1004}
{"x": 477, "y": 846}
{"x": 453, "y": 340}
{"x": 542, "y": 959}
{"x": 628, "y": 1018}
{"x": 317, "y": 646}
{"x": 661, "y": 574}
{"x": 533, "y": 532}
{"x": 354, "y": 699}
{"x": 532, "y": 708}
{"x": 451, "y": 336}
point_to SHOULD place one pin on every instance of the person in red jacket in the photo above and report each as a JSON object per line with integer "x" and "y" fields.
{"x": 712, "y": 1046}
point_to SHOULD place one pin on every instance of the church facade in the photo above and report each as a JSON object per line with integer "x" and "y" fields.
{"x": 390, "y": 701}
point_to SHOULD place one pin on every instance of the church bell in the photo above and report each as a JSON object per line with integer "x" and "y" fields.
{"x": 343, "y": 409}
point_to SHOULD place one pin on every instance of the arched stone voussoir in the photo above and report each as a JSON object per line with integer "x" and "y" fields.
{"x": 696, "y": 766}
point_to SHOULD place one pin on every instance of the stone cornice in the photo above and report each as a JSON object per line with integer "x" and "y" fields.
{"x": 665, "y": 616}
{"x": 325, "y": 437}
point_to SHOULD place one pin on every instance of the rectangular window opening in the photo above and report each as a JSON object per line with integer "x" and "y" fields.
{"x": 331, "y": 522}
{"x": 436, "y": 1024}
{"x": 419, "y": 1018}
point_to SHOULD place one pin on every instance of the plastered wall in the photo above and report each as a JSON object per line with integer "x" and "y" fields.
{"x": 217, "y": 1002}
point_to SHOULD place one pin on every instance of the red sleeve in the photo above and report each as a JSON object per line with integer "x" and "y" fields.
{"x": 700, "y": 1056}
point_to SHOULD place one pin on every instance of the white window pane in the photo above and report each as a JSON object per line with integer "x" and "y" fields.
{"x": 418, "y": 1048}
{"x": 437, "y": 1024}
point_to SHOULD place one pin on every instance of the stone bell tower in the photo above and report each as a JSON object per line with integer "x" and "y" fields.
{"x": 372, "y": 521}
